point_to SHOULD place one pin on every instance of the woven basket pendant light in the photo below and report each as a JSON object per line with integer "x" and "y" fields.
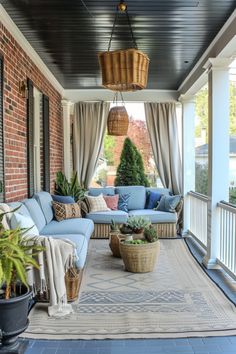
{"x": 125, "y": 69}
{"x": 118, "y": 119}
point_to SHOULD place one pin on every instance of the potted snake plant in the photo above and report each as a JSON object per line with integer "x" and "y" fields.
{"x": 16, "y": 255}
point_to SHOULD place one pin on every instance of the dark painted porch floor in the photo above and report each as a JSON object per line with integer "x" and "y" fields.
{"x": 211, "y": 345}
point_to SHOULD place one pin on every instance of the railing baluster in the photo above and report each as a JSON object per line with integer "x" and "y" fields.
{"x": 227, "y": 256}
{"x": 198, "y": 217}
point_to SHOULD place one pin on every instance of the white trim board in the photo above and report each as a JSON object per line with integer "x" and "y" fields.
{"x": 107, "y": 95}
{"x": 217, "y": 47}
{"x": 8, "y": 23}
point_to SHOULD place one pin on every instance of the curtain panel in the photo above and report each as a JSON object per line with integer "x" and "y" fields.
{"x": 90, "y": 121}
{"x": 162, "y": 127}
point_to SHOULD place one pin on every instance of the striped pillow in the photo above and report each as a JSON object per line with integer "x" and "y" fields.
{"x": 123, "y": 202}
{"x": 66, "y": 211}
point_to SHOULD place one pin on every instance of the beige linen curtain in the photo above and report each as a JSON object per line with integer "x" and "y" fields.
{"x": 162, "y": 127}
{"x": 89, "y": 128}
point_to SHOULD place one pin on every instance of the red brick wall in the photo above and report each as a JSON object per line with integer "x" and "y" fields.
{"x": 17, "y": 67}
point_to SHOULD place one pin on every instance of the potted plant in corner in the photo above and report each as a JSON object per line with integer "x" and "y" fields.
{"x": 16, "y": 255}
{"x": 140, "y": 256}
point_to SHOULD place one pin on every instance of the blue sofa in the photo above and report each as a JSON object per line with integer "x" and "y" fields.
{"x": 165, "y": 222}
{"x": 77, "y": 230}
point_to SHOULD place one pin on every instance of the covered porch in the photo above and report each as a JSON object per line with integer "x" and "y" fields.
{"x": 45, "y": 73}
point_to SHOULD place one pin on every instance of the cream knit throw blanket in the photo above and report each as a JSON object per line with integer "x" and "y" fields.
{"x": 58, "y": 257}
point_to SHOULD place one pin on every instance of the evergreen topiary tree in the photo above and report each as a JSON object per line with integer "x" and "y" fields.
{"x": 130, "y": 171}
{"x": 143, "y": 181}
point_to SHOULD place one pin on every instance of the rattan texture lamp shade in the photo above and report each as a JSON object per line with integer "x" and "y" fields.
{"x": 118, "y": 121}
{"x": 124, "y": 70}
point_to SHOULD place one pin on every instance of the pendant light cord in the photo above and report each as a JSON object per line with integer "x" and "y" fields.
{"x": 130, "y": 27}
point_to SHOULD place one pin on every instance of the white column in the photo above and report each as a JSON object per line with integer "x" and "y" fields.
{"x": 188, "y": 155}
{"x": 66, "y": 107}
{"x": 218, "y": 151}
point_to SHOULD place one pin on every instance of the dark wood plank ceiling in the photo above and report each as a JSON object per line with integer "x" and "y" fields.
{"x": 174, "y": 34}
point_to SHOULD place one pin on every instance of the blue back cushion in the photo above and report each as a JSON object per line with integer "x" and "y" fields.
{"x": 65, "y": 199}
{"x": 35, "y": 212}
{"x": 137, "y": 196}
{"x": 153, "y": 199}
{"x": 123, "y": 202}
{"x": 45, "y": 201}
{"x": 94, "y": 192}
{"x": 21, "y": 208}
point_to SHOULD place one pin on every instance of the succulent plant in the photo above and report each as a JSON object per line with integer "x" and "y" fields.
{"x": 125, "y": 229}
{"x": 138, "y": 223}
{"x": 150, "y": 233}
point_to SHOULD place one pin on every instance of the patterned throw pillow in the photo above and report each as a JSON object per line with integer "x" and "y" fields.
{"x": 97, "y": 203}
{"x": 112, "y": 201}
{"x": 169, "y": 203}
{"x": 66, "y": 211}
{"x": 123, "y": 202}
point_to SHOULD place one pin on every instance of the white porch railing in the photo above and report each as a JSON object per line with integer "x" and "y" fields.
{"x": 198, "y": 217}
{"x": 227, "y": 244}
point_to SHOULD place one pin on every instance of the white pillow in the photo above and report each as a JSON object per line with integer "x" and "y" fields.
{"x": 97, "y": 203}
{"x": 24, "y": 222}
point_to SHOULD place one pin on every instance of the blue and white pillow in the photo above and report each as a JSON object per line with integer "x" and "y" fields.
{"x": 169, "y": 203}
{"x": 123, "y": 202}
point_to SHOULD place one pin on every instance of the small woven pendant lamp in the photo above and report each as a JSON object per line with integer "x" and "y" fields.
{"x": 118, "y": 119}
{"x": 125, "y": 69}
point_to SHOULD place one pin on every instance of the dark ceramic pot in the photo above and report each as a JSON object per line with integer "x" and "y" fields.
{"x": 13, "y": 319}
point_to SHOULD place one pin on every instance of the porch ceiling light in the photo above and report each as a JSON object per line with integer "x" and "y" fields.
{"x": 124, "y": 69}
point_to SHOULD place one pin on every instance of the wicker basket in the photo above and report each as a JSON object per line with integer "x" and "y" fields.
{"x": 118, "y": 121}
{"x": 114, "y": 243}
{"x": 72, "y": 281}
{"x": 124, "y": 70}
{"x": 140, "y": 258}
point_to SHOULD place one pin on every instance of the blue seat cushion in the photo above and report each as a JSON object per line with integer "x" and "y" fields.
{"x": 45, "y": 201}
{"x": 105, "y": 217}
{"x": 94, "y": 192}
{"x": 137, "y": 196}
{"x": 80, "y": 226}
{"x": 81, "y": 247}
{"x": 156, "y": 217}
{"x": 35, "y": 212}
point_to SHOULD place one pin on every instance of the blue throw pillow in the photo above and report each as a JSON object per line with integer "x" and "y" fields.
{"x": 168, "y": 203}
{"x": 153, "y": 199}
{"x": 65, "y": 199}
{"x": 123, "y": 202}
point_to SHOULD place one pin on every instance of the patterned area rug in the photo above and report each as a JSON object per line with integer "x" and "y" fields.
{"x": 176, "y": 300}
